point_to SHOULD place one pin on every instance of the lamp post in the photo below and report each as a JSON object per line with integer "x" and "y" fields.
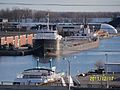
{"x": 93, "y": 29}
{"x": 68, "y": 72}
{"x": 37, "y": 62}
{"x": 106, "y": 55}
{"x": 51, "y": 63}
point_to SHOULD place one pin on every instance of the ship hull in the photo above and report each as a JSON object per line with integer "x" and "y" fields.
{"x": 47, "y": 47}
{"x": 78, "y": 46}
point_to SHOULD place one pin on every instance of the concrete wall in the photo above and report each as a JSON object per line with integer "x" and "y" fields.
{"x": 31, "y": 87}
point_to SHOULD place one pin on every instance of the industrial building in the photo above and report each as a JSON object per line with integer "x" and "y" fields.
{"x": 17, "y": 40}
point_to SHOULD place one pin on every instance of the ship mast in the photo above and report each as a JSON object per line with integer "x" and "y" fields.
{"x": 48, "y": 21}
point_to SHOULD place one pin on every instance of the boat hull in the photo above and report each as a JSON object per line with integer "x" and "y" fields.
{"x": 46, "y": 47}
{"x": 57, "y": 48}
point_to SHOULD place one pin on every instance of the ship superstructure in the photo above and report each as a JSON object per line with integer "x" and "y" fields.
{"x": 37, "y": 76}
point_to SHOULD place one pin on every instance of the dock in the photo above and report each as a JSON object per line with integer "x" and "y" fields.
{"x": 88, "y": 82}
{"x": 99, "y": 81}
{"x": 17, "y": 52}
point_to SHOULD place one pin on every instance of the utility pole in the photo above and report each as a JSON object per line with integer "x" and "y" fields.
{"x": 51, "y": 63}
{"x": 37, "y": 62}
{"x": 106, "y": 55}
{"x": 48, "y": 21}
{"x": 68, "y": 72}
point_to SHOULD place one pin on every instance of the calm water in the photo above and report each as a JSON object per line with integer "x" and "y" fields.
{"x": 80, "y": 62}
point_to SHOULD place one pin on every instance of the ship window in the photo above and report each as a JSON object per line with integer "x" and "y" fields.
{"x": 32, "y": 76}
{"x": 46, "y": 32}
{"x": 68, "y": 27}
{"x": 16, "y": 83}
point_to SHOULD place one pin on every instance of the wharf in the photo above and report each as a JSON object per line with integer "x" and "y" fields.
{"x": 85, "y": 84}
{"x": 33, "y": 87}
{"x": 99, "y": 81}
{"x": 17, "y": 52}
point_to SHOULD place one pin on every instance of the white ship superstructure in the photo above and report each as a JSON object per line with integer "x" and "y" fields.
{"x": 37, "y": 76}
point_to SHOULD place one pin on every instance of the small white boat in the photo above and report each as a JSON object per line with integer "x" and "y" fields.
{"x": 37, "y": 76}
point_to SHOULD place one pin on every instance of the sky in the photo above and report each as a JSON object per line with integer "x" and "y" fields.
{"x": 64, "y": 5}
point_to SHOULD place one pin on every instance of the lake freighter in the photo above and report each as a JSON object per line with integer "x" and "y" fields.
{"x": 47, "y": 41}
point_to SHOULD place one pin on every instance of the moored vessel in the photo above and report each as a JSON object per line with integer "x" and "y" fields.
{"x": 37, "y": 76}
{"x": 47, "y": 42}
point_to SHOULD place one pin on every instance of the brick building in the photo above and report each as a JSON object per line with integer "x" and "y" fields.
{"x": 17, "y": 40}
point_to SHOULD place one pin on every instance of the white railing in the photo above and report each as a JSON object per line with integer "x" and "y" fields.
{"x": 6, "y": 83}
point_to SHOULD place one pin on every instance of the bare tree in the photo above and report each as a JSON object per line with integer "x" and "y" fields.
{"x": 16, "y": 14}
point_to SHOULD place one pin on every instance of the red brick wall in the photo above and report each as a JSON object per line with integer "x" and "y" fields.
{"x": 9, "y": 40}
{"x": 22, "y": 40}
{"x": 30, "y": 37}
{"x": 15, "y": 40}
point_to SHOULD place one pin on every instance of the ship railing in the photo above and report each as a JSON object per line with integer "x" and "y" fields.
{"x": 75, "y": 38}
{"x": 35, "y": 84}
{"x": 61, "y": 84}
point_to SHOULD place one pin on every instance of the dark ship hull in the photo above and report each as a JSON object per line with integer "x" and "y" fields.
{"x": 47, "y": 47}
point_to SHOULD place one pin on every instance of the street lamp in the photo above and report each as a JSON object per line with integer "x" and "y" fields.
{"x": 68, "y": 72}
{"x": 37, "y": 62}
{"x": 106, "y": 55}
{"x": 51, "y": 63}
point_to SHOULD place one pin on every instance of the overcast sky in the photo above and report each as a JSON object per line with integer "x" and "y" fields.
{"x": 108, "y": 5}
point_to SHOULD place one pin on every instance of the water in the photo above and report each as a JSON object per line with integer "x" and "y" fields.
{"x": 80, "y": 62}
